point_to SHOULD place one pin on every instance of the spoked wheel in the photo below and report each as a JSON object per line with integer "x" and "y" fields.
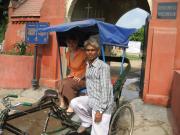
{"x": 122, "y": 121}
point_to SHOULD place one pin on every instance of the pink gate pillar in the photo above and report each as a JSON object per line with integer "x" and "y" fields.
{"x": 48, "y": 71}
{"x": 161, "y": 52}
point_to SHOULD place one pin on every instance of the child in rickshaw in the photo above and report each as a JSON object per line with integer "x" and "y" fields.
{"x": 95, "y": 109}
{"x": 75, "y": 80}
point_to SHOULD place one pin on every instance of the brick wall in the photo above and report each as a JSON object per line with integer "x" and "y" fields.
{"x": 16, "y": 71}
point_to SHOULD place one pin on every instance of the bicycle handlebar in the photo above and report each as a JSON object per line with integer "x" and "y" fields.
{"x": 12, "y": 96}
{"x": 26, "y": 104}
{"x": 7, "y": 103}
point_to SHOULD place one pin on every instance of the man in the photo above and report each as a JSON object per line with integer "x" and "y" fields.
{"x": 95, "y": 109}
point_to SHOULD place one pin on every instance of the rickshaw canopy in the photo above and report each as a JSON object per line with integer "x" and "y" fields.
{"x": 109, "y": 34}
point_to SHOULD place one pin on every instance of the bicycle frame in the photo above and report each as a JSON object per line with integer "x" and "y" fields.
{"x": 54, "y": 109}
{"x": 8, "y": 117}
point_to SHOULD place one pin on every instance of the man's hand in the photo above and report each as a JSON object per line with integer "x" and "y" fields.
{"x": 70, "y": 76}
{"x": 98, "y": 117}
{"x": 76, "y": 79}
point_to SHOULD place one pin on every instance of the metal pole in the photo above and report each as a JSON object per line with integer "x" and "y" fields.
{"x": 122, "y": 62}
{"x": 103, "y": 53}
{"x": 35, "y": 83}
{"x": 60, "y": 61}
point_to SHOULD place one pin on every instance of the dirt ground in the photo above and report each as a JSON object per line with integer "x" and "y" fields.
{"x": 33, "y": 123}
{"x": 149, "y": 119}
{"x": 135, "y": 69}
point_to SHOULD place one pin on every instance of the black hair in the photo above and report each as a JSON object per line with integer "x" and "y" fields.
{"x": 72, "y": 36}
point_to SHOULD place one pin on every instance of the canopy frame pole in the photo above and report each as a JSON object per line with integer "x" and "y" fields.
{"x": 122, "y": 62}
{"x": 60, "y": 60}
{"x": 59, "y": 52}
{"x": 103, "y": 54}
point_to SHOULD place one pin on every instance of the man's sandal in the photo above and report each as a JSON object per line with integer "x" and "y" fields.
{"x": 70, "y": 114}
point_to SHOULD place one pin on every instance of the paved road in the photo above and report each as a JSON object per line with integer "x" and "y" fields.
{"x": 149, "y": 119}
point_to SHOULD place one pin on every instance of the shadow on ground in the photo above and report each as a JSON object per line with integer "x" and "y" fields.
{"x": 149, "y": 119}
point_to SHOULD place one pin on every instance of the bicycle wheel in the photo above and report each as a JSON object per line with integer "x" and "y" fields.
{"x": 122, "y": 122}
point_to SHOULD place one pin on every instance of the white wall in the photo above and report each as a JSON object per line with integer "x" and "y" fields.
{"x": 134, "y": 47}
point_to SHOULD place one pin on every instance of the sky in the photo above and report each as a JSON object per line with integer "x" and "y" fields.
{"x": 134, "y": 18}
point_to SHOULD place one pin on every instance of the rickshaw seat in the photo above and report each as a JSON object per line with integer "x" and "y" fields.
{"x": 114, "y": 79}
{"x": 49, "y": 94}
{"x": 83, "y": 91}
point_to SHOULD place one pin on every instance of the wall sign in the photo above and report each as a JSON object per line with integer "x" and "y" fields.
{"x": 167, "y": 10}
{"x": 32, "y": 35}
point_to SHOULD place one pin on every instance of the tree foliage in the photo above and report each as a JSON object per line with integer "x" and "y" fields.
{"x": 3, "y": 29}
{"x": 3, "y": 17}
{"x": 3, "y": 8}
{"x": 138, "y": 36}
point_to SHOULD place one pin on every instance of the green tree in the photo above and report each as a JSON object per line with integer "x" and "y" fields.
{"x": 3, "y": 17}
{"x": 138, "y": 36}
{"x": 3, "y": 25}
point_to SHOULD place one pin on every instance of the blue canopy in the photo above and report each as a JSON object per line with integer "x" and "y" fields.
{"x": 109, "y": 34}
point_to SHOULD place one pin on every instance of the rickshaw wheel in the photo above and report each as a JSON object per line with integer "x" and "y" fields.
{"x": 122, "y": 122}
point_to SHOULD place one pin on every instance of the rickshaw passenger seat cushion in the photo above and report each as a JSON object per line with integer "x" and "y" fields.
{"x": 51, "y": 93}
{"x": 48, "y": 95}
{"x": 83, "y": 91}
{"x": 114, "y": 79}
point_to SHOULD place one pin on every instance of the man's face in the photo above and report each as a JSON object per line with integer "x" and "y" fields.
{"x": 91, "y": 53}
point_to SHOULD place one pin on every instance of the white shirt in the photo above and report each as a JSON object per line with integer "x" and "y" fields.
{"x": 99, "y": 86}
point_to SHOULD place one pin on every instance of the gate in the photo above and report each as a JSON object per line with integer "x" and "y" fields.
{"x": 143, "y": 55}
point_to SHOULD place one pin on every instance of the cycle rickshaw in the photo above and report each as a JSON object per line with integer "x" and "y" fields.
{"x": 122, "y": 120}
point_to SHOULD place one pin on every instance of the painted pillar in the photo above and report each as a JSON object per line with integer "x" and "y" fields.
{"x": 162, "y": 51}
{"x": 48, "y": 70}
{"x": 175, "y": 107}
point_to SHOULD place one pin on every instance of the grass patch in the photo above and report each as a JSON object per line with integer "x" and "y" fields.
{"x": 133, "y": 56}
{"x": 15, "y": 53}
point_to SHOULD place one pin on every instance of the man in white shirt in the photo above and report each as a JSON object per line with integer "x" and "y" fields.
{"x": 95, "y": 109}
